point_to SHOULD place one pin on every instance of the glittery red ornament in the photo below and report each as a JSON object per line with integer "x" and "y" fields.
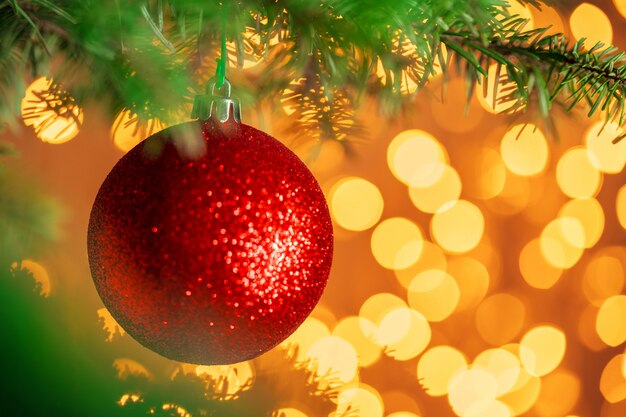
{"x": 215, "y": 258}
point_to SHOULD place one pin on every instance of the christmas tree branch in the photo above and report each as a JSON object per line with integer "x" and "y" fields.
{"x": 318, "y": 59}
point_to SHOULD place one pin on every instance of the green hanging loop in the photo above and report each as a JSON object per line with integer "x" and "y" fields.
{"x": 220, "y": 71}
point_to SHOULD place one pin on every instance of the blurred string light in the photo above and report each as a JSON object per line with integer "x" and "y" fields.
{"x": 51, "y": 112}
{"x": 590, "y": 22}
{"x": 126, "y": 367}
{"x": 620, "y": 5}
{"x": 524, "y": 150}
{"x": 227, "y": 382}
{"x": 356, "y": 204}
{"x": 361, "y": 399}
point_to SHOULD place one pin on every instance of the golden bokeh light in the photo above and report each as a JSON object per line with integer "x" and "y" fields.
{"x": 613, "y": 381}
{"x": 500, "y": 318}
{"x": 229, "y": 380}
{"x": 305, "y": 336}
{"x": 488, "y": 408}
{"x": 413, "y": 155}
{"x": 497, "y": 100}
{"x": 611, "y": 320}
{"x": 605, "y": 155}
{"x": 548, "y": 17}
{"x": 290, "y": 412}
{"x": 437, "y": 195}
{"x": 524, "y": 394}
{"x": 603, "y": 278}
{"x": 576, "y": 176}
{"x": 334, "y": 357}
{"x": 470, "y": 387}
{"x": 520, "y": 10}
{"x": 435, "y": 294}
{"x": 126, "y": 367}
{"x": 397, "y": 243}
{"x": 493, "y": 175}
{"x": 437, "y": 366}
{"x": 361, "y": 334}
{"x": 38, "y": 272}
{"x": 180, "y": 411}
{"x": 620, "y": 206}
{"x": 503, "y": 365}
{"x": 472, "y": 278}
{"x": 590, "y": 22}
{"x": 524, "y": 150}
{"x": 542, "y": 349}
{"x": 109, "y": 324}
{"x": 375, "y": 308}
{"x": 555, "y": 242}
{"x": 127, "y": 131}
{"x": 620, "y": 5}
{"x": 459, "y": 228}
{"x": 356, "y": 204}
{"x": 404, "y": 333}
{"x": 361, "y": 400}
{"x": 432, "y": 257}
{"x": 514, "y": 197}
{"x": 535, "y": 269}
{"x": 589, "y": 213}
{"x": 559, "y": 394}
{"x": 53, "y": 120}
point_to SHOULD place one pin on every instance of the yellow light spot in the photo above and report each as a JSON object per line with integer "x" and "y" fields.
{"x": 375, "y": 308}
{"x": 407, "y": 84}
{"x": 459, "y": 228}
{"x": 127, "y": 131}
{"x": 499, "y": 318}
{"x": 360, "y": 333}
{"x": 469, "y": 387}
{"x": 559, "y": 394}
{"x": 228, "y": 381}
{"x": 524, "y": 150}
{"x": 110, "y": 326}
{"x": 356, "y": 204}
{"x": 589, "y": 213}
{"x": 611, "y": 321}
{"x": 133, "y": 398}
{"x": 603, "y": 278}
{"x": 488, "y": 408}
{"x": 590, "y": 22}
{"x": 555, "y": 242}
{"x": 180, "y": 411}
{"x": 334, "y": 357}
{"x": 542, "y": 349}
{"x": 308, "y": 333}
{"x": 404, "y": 333}
{"x": 535, "y": 269}
{"x": 435, "y": 294}
{"x": 126, "y": 367}
{"x": 412, "y": 156}
{"x": 362, "y": 400}
{"x": 503, "y": 365}
{"x": 612, "y": 381}
{"x": 515, "y": 8}
{"x": 397, "y": 243}
{"x": 53, "y": 121}
{"x": 436, "y": 368}
{"x": 290, "y": 412}
{"x": 438, "y": 195}
{"x": 432, "y": 257}
{"x": 472, "y": 278}
{"x": 605, "y": 155}
{"x": 576, "y": 177}
{"x": 524, "y": 394}
{"x": 38, "y": 272}
{"x": 620, "y": 5}
{"x": 546, "y": 17}
{"x": 620, "y": 206}
{"x": 485, "y": 94}
{"x": 493, "y": 178}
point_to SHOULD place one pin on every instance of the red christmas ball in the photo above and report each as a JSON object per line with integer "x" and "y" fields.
{"x": 215, "y": 258}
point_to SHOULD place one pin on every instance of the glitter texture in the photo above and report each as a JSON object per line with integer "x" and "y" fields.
{"x": 211, "y": 259}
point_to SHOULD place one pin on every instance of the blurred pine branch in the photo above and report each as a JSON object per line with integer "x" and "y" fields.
{"x": 153, "y": 56}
